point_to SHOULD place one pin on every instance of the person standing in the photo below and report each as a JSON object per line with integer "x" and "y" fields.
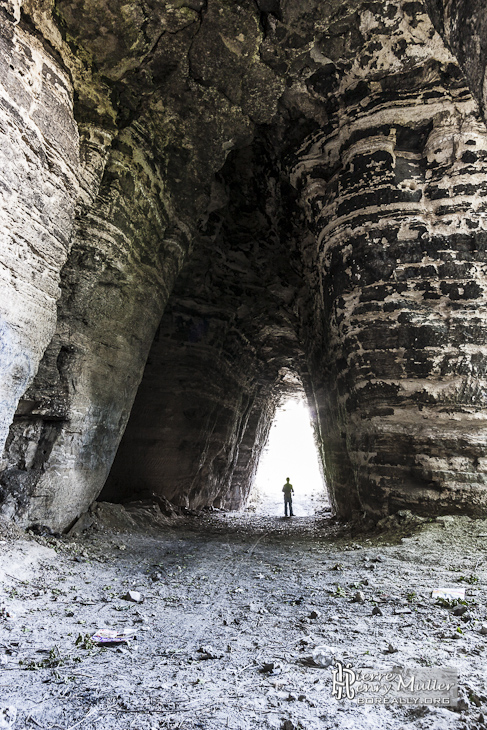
{"x": 288, "y": 490}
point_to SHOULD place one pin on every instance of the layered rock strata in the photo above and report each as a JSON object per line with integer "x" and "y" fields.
{"x": 186, "y": 430}
{"x": 463, "y": 26}
{"x": 218, "y": 363}
{"x": 342, "y": 239}
{"x": 40, "y": 180}
{"x": 395, "y": 192}
{"x": 89, "y": 376}
{"x": 156, "y": 123}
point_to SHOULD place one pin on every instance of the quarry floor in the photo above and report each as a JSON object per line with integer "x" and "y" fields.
{"x": 233, "y": 607}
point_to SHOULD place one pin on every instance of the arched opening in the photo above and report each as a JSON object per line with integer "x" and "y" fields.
{"x": 290, "y": 452}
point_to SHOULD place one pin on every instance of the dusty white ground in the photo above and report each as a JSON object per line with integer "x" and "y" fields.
{"x": 244, "y": 586}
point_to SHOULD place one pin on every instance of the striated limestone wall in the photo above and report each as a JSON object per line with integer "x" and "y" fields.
{"x": 208, "y": 395}
{"x": 198, "y": 398}
{"x": 321, "y": 170}
{"x": 395, "y": 193}
{"x": 155, "y": 123}
{"x": 40, "y": 182}
{"x": 253, "y": 440}
{"x": 122, "y": 265}
{"x": 463, "y": 27}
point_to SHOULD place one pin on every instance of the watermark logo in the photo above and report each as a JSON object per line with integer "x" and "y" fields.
{"x": 343, "y": 680}
{"x": 400, "y": 686}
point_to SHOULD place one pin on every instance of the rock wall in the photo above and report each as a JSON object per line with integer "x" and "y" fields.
{"x": 123, "y": 263}
{"x": 463, "y": 26}
{"x": 216, "y": 367}
{"x": 318, "y": 170}
{"x": 395, "y": 193}
{"x": 40, "y": 180}
{"x": 198, "y": 396}
{"x": 156, "y": 124}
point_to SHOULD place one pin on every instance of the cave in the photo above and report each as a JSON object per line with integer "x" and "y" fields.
{"x": 208, "y": 207}
{"x": 199, "y": 198}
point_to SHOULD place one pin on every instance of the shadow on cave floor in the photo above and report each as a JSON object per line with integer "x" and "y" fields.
{"x": 246, "y": 524}
{"x": 146, "y": 517}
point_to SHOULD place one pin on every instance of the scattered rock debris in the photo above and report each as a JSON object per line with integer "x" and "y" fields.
{"x": 208, "y": 652}
{"x": 133, "y": 596}
{"x": 223, "y": 637}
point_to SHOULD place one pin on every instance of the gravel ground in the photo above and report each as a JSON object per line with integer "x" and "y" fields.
{"x": 234, "y": 607}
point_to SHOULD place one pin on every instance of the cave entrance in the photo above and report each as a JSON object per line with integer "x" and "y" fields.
{"x": 290, "y": 452}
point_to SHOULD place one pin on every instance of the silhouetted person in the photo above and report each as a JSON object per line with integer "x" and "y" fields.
{"x": 288, "y": 497}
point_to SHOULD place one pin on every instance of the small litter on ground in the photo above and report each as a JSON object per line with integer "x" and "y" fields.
{"x": 112, "y": 636}
{"x": 449, "y": 594}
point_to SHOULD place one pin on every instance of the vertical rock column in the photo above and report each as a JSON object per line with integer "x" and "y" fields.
{"x": 125, "y": 258}
{"x": 39, "y": 159}
{"x": 397, "y": 200}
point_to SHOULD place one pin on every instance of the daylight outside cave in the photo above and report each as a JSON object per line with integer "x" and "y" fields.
{"x": 290, "y": 452}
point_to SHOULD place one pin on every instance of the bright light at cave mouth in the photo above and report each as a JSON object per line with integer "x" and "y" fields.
{"x": 290, "y": 452}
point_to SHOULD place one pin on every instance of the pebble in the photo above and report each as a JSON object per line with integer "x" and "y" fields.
{"x": 7, "y": 614}
{"x": 376, "y": 611}
{"x": 270, "y": 668}
{"x": 140, "y": 618}
{"x": 8, "y": 716}
{"x": 289, "y": 725}
{"x": 324, "y": 656}
{"x": 314, "y": 614}
{"x": 133, "y": 596}
{"x": 483, "y": 629}
{"x": 460, "y": 610}
{"x": 359, "y": 597}
{"x": 208, "y": 652}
